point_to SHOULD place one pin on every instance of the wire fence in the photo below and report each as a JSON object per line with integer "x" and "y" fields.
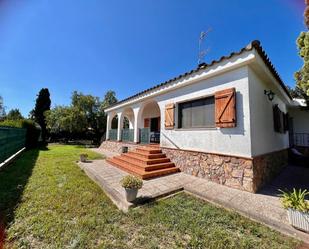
{"x": 11, "y": 141}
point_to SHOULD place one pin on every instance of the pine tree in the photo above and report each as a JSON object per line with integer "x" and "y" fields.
{"x": 41, "y": 106}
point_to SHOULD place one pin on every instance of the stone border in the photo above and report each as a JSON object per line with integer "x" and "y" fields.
{"x": 116, "y": 146}
{"x": 11, "y": 159}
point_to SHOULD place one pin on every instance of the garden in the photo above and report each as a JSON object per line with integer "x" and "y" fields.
{"x": 47, "y": 201}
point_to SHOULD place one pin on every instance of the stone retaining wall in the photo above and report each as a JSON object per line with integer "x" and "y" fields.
{"x": 236, "y": 172}
{"x": 267, "y": 166}
{"x": 115, "y": 146}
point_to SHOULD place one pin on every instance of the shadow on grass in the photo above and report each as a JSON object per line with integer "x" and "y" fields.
{"x": 13, "y": 180}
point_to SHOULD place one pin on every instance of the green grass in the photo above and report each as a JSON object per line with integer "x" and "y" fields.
{"x": 48, "y": 202}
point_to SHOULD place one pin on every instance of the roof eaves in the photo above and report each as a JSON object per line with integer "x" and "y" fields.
{"x": 254, "y": 44}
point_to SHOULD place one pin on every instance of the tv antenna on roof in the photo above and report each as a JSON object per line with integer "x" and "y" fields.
{"x": 202, "y": 52}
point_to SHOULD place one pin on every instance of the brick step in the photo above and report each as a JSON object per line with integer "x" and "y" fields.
{"x": 153, "y": 145}
{"x": 141, "y": 173}
{"x": 143, "y": 167}
{"x": 147, "y": 155}
{"x": 124, "y": 166}
{"x": 143, "y": 160}
{"x": 148, "y": 150}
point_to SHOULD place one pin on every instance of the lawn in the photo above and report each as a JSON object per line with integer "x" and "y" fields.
{"x": 48, "y": 202}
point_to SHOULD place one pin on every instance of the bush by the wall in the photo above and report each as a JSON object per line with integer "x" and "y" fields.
{"x": 33, "y": 131}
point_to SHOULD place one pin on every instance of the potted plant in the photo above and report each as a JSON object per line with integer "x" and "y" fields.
{"x": 83, "y": 158}
{"x": 297, "y": 208}
{"x": 131, "y": 184}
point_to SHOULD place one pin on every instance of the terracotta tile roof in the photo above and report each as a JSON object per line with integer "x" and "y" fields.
{"x": 254, "y": 44}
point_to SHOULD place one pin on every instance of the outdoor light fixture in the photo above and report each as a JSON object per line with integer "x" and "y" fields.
{"x": 270, "y": 94}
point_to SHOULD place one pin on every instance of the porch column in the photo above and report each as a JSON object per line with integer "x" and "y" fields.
{"x": 108, "y": 125}
{"x": 120, "y": 120}
{"x": 137, "y": 122}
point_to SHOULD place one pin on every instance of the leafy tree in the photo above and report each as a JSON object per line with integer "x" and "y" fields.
{"x": 2, "y": 108}
{"x": 89, "y": 106}
{"x": 109, "y": 99}
{"x": 62, "y": 119}
{"x": 306, "y": 13}
{"x": 14, "y": 114}
{"x": 85, "y": 116}
{"x": 302, "y": 76}
{"x": 41, "y": 106}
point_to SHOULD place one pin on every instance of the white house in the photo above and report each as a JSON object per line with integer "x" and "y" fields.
{"x": 226, "y": 121}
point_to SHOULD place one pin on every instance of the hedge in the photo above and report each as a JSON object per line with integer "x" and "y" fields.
{"x": 33, "y": 131}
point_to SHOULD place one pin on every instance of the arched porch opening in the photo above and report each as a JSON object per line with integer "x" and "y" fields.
{"x": 113, "y": 124}
{"x": 151, "y": 123}
{"x": 127, "y": 125}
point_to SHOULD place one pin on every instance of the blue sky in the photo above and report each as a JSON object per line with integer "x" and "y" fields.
{"x": 93, "y": 46}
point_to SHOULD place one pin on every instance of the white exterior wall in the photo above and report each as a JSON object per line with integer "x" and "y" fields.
{"x": 300, "y": 120}
{"x": 254, "y": 134}
{"x": 231, "y": 141}
{"x": 264, "y": 138}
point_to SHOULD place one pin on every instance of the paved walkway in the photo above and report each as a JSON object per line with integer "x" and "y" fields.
{"x": 109, "y": 177}
{"x": 264, "y": 207}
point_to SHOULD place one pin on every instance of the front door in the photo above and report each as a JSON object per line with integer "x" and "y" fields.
{"x": 151, "y": 131}
{"x": 154, "y": 124}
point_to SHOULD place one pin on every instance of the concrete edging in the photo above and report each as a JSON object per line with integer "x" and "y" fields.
{"x": 11, "y": 159}
{"x": 284, "y": 229}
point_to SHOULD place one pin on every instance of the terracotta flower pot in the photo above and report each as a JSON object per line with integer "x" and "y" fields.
{"x": 298, "y": 219}
{"x": 131, "y": 194}
{"x": 83, "y": 158}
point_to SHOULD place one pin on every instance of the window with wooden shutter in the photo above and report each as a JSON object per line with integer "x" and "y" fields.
{"x": 225, "y": 108}
{"x": 276, "y": 116}
{"x": 281, "y": 120}
{"x": 198, "y": 113}
{"x": 286, "y": 122}
{"x": 169, "y": 116}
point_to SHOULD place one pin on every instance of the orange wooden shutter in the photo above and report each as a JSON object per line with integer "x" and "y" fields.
{"x": 225, "y": 102}
{"x": 146, "y": 123}
{"x": 169, "y": 116}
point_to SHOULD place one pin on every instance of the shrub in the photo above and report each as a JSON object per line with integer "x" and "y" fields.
{"x": 131, "y": 182}
{"x": 33, "y": 131}
{"x": 295, "y": 200}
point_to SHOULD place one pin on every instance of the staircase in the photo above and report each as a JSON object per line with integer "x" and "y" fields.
{"x": 145, "y": 162}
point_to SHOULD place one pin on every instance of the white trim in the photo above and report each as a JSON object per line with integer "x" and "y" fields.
{"x": 11, "y": 158}
{"x": 261, "y": 63}
{"x": 299, "y": 102}
{"x": 219, "y": 68}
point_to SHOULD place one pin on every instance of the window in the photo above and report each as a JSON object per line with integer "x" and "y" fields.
{"x": 197, "y": 113}
{"x": 280, "y": 120}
